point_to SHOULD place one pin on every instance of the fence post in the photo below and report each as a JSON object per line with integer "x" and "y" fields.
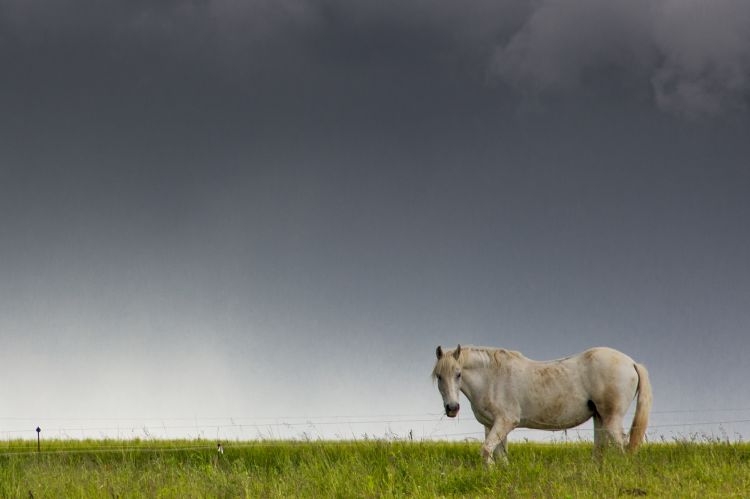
{"x": 38, "y": 441}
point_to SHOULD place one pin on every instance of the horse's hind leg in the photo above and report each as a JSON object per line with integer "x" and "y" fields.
{"x": 613, "y": 430}
{"x": 600, "y": 436}
{"x": 607, "y": 431}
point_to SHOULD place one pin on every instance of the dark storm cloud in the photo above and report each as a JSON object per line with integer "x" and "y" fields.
{"x": 694, "y": 54}
{"x": 691, "y": 57}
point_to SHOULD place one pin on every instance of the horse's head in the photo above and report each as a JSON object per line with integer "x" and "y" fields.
{"x": 447, "y": 372}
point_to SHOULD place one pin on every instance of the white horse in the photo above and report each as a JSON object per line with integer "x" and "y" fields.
{"x": 506, "y": 391}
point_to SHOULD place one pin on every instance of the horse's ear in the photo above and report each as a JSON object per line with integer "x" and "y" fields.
{"x": 457, "y": 352}
{"x": 439, "y": 352}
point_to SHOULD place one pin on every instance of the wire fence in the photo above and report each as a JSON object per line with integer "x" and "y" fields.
{"x": 71, "y": 429}
{"x": 419, "y": 426}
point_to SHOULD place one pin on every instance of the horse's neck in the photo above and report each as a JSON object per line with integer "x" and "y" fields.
{"x": 474, "y": 382}
{"x": 479, "y": 374}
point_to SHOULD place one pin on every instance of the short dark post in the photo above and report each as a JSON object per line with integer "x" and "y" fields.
{"x": 38, "y": 442}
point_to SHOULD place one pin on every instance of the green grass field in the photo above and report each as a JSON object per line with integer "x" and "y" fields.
{"x": 375, "y": 468}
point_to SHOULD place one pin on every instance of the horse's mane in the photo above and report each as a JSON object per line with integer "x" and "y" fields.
{"x": 475, "y": 357}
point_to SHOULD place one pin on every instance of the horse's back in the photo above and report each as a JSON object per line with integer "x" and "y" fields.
{"x": 608, "y": 355}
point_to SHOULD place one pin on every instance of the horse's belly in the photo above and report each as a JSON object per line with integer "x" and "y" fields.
{"x": 561, "y": 422}
{"x": 557, "y": 416}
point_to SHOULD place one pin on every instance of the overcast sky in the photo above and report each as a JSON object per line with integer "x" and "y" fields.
{"x": 279, "y": 208}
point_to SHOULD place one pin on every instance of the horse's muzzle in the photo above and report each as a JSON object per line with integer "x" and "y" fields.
{"x": 451, "y": 410}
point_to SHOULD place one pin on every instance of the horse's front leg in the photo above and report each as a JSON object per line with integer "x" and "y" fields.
{"x": 501, "y": 451}
{"x": 495, "y": 441}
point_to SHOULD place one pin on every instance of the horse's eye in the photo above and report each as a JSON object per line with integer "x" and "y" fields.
{"x": 458, "y": 375}
{"x": 440, "y": 378}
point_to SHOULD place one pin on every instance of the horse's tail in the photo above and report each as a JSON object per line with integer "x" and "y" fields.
{"x": 642, "y": 409}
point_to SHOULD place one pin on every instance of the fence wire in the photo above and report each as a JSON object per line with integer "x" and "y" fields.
{"x": 427, "y": 426}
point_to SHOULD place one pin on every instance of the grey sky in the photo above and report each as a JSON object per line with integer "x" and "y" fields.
{"x": 279, "y": 208}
